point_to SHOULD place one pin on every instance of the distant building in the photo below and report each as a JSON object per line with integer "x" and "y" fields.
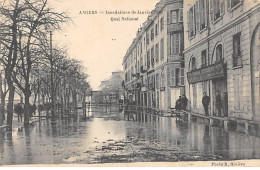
{"x": 112, "y": 87}
{"x": 222, "y": 42}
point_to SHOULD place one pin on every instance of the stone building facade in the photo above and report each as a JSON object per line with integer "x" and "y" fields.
{"x": 154, "y": 72}
{"x": 222, "y": 44}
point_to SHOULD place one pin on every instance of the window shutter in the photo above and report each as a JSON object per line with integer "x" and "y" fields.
{"x": 197, "y": 7}
{"x": 222, "y": 7}
{"x": 188, "y": 24}
{"x": 174, "y": 44}
{"x": 168, "y": 17}
{"x": 211, "y": 11}
{"x": 181, "y": 15}
{"x": 177, "y": 44}
{"x": 181, "y": 43}
{"x": 206, "y": 13}
{"x": 173, "y": 77}
{"x": 182, "y": 76}
{"x": 168, "y": 76}
{"x": 228, "y": 4}
{"x": 194, "y": 20}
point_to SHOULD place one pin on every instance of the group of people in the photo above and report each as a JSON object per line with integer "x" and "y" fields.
{"x": 19, "y": 110}
{"x": 181, "y": 103}
{"x": 220, "y": 104}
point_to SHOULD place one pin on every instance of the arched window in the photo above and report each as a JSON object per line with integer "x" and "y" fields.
{"x": 193, "y": 63}
{"x": 219, "y": 56}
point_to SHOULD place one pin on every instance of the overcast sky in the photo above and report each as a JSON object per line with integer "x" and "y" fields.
{"x": 90, "y": 36}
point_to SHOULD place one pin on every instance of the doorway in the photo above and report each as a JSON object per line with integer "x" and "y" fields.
{"x": 219, "y": 85}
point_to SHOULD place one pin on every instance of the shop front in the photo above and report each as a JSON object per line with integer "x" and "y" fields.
{"x": 212, "y": 80}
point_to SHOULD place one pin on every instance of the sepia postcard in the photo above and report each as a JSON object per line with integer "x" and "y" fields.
{"x": 130, "y": 83}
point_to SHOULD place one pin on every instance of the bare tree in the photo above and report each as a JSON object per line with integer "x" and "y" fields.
{"x": 32, "y": 22}
{"x": 9, "y": 29}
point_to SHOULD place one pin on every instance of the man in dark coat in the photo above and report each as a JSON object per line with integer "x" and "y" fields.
{"x": 205, "y": 102}
{"x": 178, "y": 104}
{"x": 218, "y": 104}
{"x": 184, "y": 102}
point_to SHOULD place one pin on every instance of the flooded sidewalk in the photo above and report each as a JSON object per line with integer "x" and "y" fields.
{"x": 109, "y": 138}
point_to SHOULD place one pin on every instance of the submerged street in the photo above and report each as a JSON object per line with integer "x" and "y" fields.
{"x": 109, "y": 136}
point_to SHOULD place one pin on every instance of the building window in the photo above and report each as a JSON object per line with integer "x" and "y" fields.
{"x": 162, "y": 49}
{"x": 191, "y": 21}
{"x": 156, "y": 52}
{"x": 138, "y": 66}
{"x": 217, "y": 9}
{"x": 153, "y": 82}
{"x": 147, "y": 39}
{"x": 219, "y": 53}
{"x": 182, "y": 77}
{"x": 233, "y": 3}
{"x": 203, "y": 58}
{"x": 202, "y": 14}
{"x": 132, "y": 72}
{"x": 152, "y": 55}
{"x": 172, "y": 80}
{"x": 162, "y": 80}
{"x": 148, "y": 59}
{"x": 181, "y": 15}
{"x": 156, "y": 29}
{"x": 175, "y": 44}
{"x": 237, "y": 58}
{"x": 179, "y": 77}
{"x": 157, "y": 81}
{"x": 193, "y": 63}
{"x": 152, "y": 34}
{"x": 141, "y": 48}
{"x": 174, "y": 17}
{"x": 161, "y": 21}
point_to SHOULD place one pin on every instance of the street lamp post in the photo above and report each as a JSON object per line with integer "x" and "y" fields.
{"x": 52, "y": 83}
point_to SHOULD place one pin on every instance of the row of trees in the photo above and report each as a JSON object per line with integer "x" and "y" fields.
{"x": 32, "y": 66}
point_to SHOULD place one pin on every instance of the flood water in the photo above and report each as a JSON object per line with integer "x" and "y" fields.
{"x": 111, "y": 137}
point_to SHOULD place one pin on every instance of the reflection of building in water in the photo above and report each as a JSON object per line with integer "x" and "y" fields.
{"x": 222, "y": 54}
{"x": 195, "y": 137}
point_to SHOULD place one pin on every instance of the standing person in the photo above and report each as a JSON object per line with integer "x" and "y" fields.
{"x": 218, "y": 104}
{"x": 184, "y": 102}
{"x": 225, "y": 104}
{"x": 178, "y": 104}
{"x": 205, "y": 102}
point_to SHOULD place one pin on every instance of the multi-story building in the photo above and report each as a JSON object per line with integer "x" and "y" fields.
{"x": 222, "y": 45}
{"x": 112, "y": 87}
{"x": 154, "y": 72}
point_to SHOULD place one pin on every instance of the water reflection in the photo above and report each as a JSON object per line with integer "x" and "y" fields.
{"x": 47, "y": 143}
{"x": 196, "y": 137}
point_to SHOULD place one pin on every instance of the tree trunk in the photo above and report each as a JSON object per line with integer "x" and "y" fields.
{"x": 10, "y": 104}
{"x": 26, "y": 109}
{"x": 84, "y": 105}
{"x": 2, "y": 109}
{"x": 74, "y": 100}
